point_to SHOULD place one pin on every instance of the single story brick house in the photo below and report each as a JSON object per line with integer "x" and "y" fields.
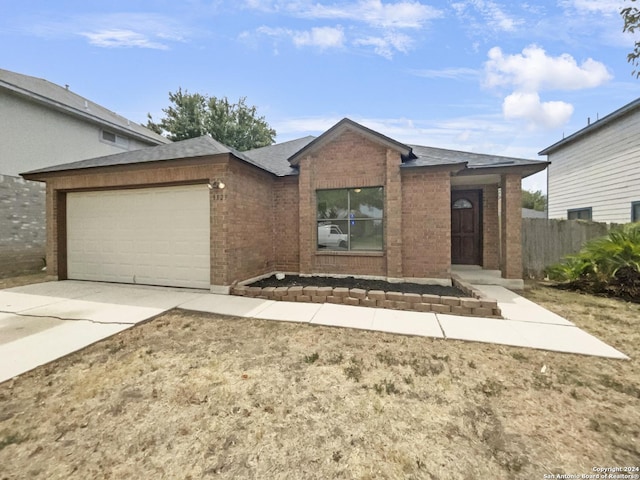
{"x": 352, "y": 201}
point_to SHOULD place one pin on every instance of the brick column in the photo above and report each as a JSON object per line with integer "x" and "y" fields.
{"x": 56, "y": 225}
{"x": 307, "y": 210}
{"x": 219, "y": 227}
{"x": 490, "y": 228}
{"x": 511, "y": 237}
{"x": 393, "y": 214}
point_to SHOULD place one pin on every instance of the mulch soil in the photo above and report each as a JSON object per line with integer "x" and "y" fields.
{"x": 624, "y": 285}
{"x": 351, "y": 282}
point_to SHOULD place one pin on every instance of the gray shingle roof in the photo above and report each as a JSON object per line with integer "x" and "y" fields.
{"x": 62, "y": 99}
{"x": 192, "y": 148}
{"x": 274, "y": 157}
{"x": 431, "y": 156}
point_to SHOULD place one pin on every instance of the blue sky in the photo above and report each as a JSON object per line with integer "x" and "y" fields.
{"x": 507, "y": 78}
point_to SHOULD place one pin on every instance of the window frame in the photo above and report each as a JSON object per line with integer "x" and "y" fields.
{"x": 634, "y": 205}
{"x": 332, "y": 221}
{"x": 119, "y": 141}
{"x": 578, "y": 211}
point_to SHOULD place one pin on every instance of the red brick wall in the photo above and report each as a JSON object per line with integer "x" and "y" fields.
{"x": 134, "y": 176}
{"x": 248, "y": 222}
{"x": 511, "y": 226}
{"x": 347, "y": 161}
{"x": 490, "y": 228}
{"x": 426, "y": 224}
{"x": 286, "y": 231}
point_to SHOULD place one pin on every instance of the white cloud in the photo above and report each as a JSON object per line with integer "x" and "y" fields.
{"x": 493, "y": 15}
{"x": 380, "y": 23}
{"x": 528, "y": 107}
{"x": 459, "y": 73}
{"x": 139, "y": 30}
{"x": 600, "y": 7}
{"x": 121, "y": 38}
{"x": 534, "y": 70}
{"x": 388, "y": 44}
{"x": 321, "y": 37}
{"x": 376, "y": 13}
{"x": 404, "y": 14}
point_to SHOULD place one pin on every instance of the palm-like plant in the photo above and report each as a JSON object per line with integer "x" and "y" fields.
{"x": 601, "y": 259}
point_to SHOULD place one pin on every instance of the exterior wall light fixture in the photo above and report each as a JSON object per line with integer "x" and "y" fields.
{"x": 219, "y": 184}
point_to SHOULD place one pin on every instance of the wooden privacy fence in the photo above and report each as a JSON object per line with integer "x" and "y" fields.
{"x": 547, "y": 241}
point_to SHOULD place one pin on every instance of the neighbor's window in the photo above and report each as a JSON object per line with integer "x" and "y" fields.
{"x": 115, "y": 139}
{"x": 635, "y": 211}
{"x": 579, "y": 214}
{"x": 350, "y": 219}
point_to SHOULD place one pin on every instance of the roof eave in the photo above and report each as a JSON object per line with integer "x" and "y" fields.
{"x": 79, "y": 114}
{"x": 628, "y": 108}
{"x": 524, "y": 170}
{"x": 451, "y": 167}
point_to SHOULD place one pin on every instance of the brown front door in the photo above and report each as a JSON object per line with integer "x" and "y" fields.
{"x": 466, "y": 235}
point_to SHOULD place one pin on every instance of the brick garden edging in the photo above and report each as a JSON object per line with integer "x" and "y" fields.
{"x": 474, "y": 305}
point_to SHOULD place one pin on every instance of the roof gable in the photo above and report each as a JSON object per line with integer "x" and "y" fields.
{"x": 343, "y": 125}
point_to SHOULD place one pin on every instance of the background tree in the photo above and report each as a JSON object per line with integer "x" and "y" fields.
{"x": 191, "y": 115}
{"x": 631, "y": 17}
{"x": 534, "y": 200}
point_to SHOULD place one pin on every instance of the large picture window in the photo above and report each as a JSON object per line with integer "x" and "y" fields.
{"x": 350, "y": 219}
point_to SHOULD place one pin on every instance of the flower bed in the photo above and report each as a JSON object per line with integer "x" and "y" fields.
{"x": 474, "y": 304}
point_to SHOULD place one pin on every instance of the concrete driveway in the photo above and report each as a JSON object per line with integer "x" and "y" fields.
{"x": 42, "y": 322}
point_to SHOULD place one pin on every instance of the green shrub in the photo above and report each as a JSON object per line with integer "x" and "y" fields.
{"x": 609, "y": 265}
{"x": 601, "y": 259}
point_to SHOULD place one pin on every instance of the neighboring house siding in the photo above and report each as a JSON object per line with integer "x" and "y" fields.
{"x": 33, "y": 136}
{"x": 600, "y": 170}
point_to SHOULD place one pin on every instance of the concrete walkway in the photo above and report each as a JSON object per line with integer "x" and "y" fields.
{"x": 42, "y": 322}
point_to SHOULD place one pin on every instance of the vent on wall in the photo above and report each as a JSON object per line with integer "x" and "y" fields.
{"x": 115, "y": 139}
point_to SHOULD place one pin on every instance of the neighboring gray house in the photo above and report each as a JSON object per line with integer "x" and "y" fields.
{"x": 43, "y": 124}
{"x": 595, "y": 173}
{"x": 531, "y": 213}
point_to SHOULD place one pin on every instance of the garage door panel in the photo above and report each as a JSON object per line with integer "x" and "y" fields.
{"x": 157, "y": 236}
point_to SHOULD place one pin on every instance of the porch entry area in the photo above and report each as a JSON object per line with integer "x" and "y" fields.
{"x": 466, "y": 227}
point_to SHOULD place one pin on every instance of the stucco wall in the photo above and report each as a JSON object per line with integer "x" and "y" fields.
{"x": 22, "y": 225}
{"x": 32, "y": 137}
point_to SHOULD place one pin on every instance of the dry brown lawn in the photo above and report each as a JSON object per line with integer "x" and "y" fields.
{"x": 190, "y": 395}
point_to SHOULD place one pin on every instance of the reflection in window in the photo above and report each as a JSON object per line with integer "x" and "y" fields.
{"x": 635, "y": 211}
{"x": 579, "y": 214}
{"x": 462, "y": 203}
{"x": 350, "y": 219}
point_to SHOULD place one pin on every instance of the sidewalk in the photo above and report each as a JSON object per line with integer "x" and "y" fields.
{"x": 40, "y": 323}
{"x": 526, "y": 324}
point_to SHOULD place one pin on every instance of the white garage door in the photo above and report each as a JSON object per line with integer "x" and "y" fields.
{"x": 151, "y": 236}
